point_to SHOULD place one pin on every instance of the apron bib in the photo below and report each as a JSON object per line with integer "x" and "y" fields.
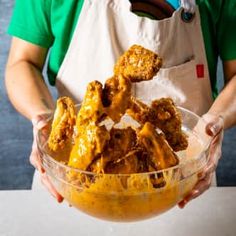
{"x": 107, "y": 28}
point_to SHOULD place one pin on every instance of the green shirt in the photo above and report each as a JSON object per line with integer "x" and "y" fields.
{"x": 51, "y": 23}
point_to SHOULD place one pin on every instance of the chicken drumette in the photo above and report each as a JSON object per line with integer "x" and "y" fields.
{"x": 62, "y": 125}
{"x": 90, "y": 138}
{"x": 164, "y": 115}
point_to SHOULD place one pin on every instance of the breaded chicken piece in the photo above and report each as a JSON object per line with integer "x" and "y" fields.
{"x": 92, "y": 109}
{"x": 116, "y": 97}
{"x": 137, "y": 160}
{"x": 160, "y": 153}
{"x": 164, "y": 115}
{"x": 121, "y": 142}
{"x": 138, "y": 64}
{"x": 63, "y": 124}
{"x": 90, "y": 138}
{"x": 89, "y": 144}
{"x": 139, "y": 111}
{"x": 169, "y": 121}
{"x": 125, "y": 165}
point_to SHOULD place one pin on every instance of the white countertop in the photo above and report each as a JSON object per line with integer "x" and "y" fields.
{"x": 33, "y": 213}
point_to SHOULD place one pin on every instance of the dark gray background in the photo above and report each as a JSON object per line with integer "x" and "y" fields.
{"x": 16, "y": 132}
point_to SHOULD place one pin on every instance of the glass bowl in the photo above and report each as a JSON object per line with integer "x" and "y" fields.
{"x": 130, "y": 197}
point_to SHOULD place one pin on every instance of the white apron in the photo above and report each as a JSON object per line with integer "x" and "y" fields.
{"x": 107, "y": 28}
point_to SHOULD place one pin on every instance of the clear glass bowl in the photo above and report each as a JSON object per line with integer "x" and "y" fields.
{"x": 132, "y": 197}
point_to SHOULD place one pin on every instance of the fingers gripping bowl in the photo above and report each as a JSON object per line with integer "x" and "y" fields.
{"x": 129, "y": 197}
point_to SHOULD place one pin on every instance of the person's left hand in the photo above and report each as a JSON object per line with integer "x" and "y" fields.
{"x": 214, "y": 128}
{"x": 40, "y": 122}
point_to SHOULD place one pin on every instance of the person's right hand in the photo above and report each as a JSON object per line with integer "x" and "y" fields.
{"x": 40, "y": 122}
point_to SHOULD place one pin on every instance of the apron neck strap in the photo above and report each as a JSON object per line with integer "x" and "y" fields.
{"x": 188, "y": 5}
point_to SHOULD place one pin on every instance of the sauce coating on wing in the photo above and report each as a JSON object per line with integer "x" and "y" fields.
{"x": 62, "y": 125}
{"x": 116, "y": 97}
{"x": 164, "y": 115}
{"x": 160, "y": 153}
{"x": 89, "y": 144}
{"x": 90, "y": 138}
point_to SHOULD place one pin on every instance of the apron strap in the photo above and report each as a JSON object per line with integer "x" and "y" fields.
{"x": 188, "y": 5}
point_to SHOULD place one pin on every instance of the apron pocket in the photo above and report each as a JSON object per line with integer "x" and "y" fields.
{"x": 178, "y": 82}
{"x": 187, "y": 68}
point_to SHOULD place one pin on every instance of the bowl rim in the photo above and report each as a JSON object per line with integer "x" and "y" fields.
{"x": 41, "y": 148}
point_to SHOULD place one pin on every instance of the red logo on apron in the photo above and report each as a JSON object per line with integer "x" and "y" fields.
{"x": 200, "y": 70}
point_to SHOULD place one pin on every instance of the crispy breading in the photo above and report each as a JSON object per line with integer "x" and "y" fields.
{"x": 135, "y": 65}
{"x": 139, "y": 111}
{"x": 62, "y": 125}
{"x": 170, "y": 122}
{"x": 116, "y": 97}
{"x": 92, "y": 109}
{"x": 161, "y": 154}
{"x": 121, "y": 142}
{"x": 90, "y": 138}
{"x": 89, "y": 144}
{"x": 164, "y": 115}
{"x": 124, "y": 165}
{"x": 138, "y": 64}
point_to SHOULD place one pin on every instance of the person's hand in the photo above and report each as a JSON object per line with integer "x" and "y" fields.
{"x": 214, "y": 128}
{"x": 40, "y": 122}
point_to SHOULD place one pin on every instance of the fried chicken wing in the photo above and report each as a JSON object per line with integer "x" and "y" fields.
{"x": 169, "y": 121}
{"x": 125, "y": 165}
{"x": 140, "y": 112}
{"x": 161, "y": 154}
{"x": 138, "y": 64}
{"x": 89, "y": 144}
{"x": 116, "y": 97}
{"x": 92, "y": 109}
{"x": 164, "y": 115}
{"x": 62, "y": 125}
{"x": 135, "y": 161}
{"x": 121, "y": 142}
{"x": 90, "y": 138}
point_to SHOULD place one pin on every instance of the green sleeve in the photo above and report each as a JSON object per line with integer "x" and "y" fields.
{"x": 226, "y": 31}
{"x": 31, "y": 22}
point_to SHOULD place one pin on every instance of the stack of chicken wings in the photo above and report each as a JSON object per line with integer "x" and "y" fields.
{"x": 97, "y": 148}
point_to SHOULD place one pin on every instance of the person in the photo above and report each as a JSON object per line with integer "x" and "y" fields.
{"x": 84, "y": 38}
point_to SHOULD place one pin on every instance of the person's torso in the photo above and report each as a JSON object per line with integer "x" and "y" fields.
{"x": 64, "y": 17}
